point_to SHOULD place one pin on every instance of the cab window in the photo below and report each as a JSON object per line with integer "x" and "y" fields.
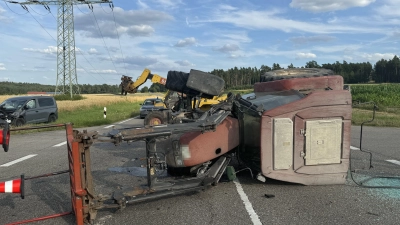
{"x": 31, "y": 104}
{"x": 148, "y": 102}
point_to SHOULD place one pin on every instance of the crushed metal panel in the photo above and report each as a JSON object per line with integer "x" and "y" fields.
{"x": 283, "y": 143}
{"x": 323, "y": 141}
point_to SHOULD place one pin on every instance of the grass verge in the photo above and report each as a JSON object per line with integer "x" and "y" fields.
{"x": 382, "y": 119}
{"x": 94, "y": 116}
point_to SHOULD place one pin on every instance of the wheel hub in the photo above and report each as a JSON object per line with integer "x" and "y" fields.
{"x": 155, "y": 121}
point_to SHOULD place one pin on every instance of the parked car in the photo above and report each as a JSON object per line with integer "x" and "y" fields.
{"x": 29, "y": 109}
{"x": 151, "y": 104}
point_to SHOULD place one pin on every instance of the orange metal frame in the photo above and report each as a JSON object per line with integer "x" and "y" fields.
{"x": 77, "y": 191}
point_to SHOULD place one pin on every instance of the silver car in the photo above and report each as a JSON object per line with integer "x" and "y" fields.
{"x": 151, "y": 104}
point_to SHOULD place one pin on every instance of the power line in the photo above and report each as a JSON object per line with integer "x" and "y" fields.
{"x": 39, "y": 13}
{"x": 47, "y": 7}
{"x": 119, "y": 41}
{"x": 86, "y": 60}
{"x": 12, "y": 10}
{"x": 56, "y": 40}
{"x": 66, "y": 57}
{"x": 94, "y": 16}
{"x": 111, "y": 6}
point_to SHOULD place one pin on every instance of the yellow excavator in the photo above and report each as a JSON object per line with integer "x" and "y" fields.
{"x": 128, "y": 86}
{"x": 179, "y": 106}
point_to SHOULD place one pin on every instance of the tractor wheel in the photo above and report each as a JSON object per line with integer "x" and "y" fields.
{"x": 294, "y": 73}
{"x": 19, "y": 122}
{"x": 52, "y": 118}
{"x": 155, "y": 118}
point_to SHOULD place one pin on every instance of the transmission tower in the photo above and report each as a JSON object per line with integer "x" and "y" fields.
{"x": 67, "y": 80}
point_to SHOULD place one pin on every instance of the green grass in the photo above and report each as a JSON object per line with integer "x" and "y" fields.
{"x": 384, "y": 95}
{"x": 94, "y": 116}
{"x": 387, "y": 99}
{"x": 382, "y": 119}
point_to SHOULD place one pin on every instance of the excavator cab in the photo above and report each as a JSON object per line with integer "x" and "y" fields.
{"x": 194, "y": 90}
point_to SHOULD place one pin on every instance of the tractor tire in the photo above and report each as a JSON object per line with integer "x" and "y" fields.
{"x": 19, "y": 122}
{"x": 155, "y": 118}
{"x": 206, "y": 83}
{"x": 52, "y": 118}
{"x": 6, "y": 137}
{"x": 294, "y": 73}
{"x": 176, "y": 81}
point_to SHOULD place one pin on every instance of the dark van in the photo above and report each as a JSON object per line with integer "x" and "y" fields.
{"x": 30, "y": 109}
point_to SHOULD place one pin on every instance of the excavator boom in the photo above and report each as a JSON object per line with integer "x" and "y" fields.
{"x": 128, "y": 86}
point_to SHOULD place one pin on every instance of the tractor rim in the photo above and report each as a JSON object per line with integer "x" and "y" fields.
{"x": 155, "y": 121}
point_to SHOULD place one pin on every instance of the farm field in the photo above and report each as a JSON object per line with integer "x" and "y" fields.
{"x": 385, "y": 96}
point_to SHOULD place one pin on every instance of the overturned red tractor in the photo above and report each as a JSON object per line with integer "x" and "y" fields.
{"x": 294, "y": 127}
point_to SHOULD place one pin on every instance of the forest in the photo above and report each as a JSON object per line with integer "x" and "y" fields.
{"x": 384, "y": 71}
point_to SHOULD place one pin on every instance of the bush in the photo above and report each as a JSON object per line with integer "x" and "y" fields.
{"x": 67, "y": 97}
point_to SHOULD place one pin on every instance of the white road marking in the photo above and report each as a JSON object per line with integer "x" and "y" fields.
{"x": 118, "y": 123}
{"x": 249, "y": 207}
{"x": 18, "y": 160}
{"x": 354, "y": 148}
{"x": 124, "y": 121}
{"x": 61, "y": 144}
{"x": 393, "y": 161}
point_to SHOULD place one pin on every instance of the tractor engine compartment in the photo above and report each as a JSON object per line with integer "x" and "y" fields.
{"x": 301, "y": 138}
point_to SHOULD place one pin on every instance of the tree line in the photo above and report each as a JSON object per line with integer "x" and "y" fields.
{"x": 384, "y": 71}
{"x": 12, "y": 88}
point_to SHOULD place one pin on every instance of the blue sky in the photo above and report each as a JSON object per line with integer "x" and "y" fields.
{"x": 164, "y": 35}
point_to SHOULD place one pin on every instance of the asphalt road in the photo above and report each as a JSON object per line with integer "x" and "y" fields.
{"x": 239, "y": 202}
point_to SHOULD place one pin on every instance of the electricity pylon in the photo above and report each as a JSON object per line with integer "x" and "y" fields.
{"x": 67, "y": 80}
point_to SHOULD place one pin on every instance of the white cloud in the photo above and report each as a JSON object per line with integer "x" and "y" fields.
{"x": 228, "y": 48}
{"x": 169, "y": 3}
{"x": 142, "y": 5}
{"x": 268, "y": 20}
{"x": 138, "y": 61}
{"x": 311, "y": 39}
{"x": 337, "y": 48}
{"x": 186, "y": 42}
{"x": 103, "y": 71}
{"x": 139, "y": 30}
{"x": 235, "y": 56}
{"x": 93, "y": 51}
{"x": 48, "y": 50}
{"x": 318, "y": 6}
{"x": 226, "y": 7}
{"x": 133, "y": 23}
{"x": 2, "y": 67}
{"x": 2, "y": 16}
{"x": 389, "y": 8}
{"x": 377, "y": 56}
{"x": 307, "y": 55}
{"x": 238, "y": 36}
{"x": 184, "y": 63}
